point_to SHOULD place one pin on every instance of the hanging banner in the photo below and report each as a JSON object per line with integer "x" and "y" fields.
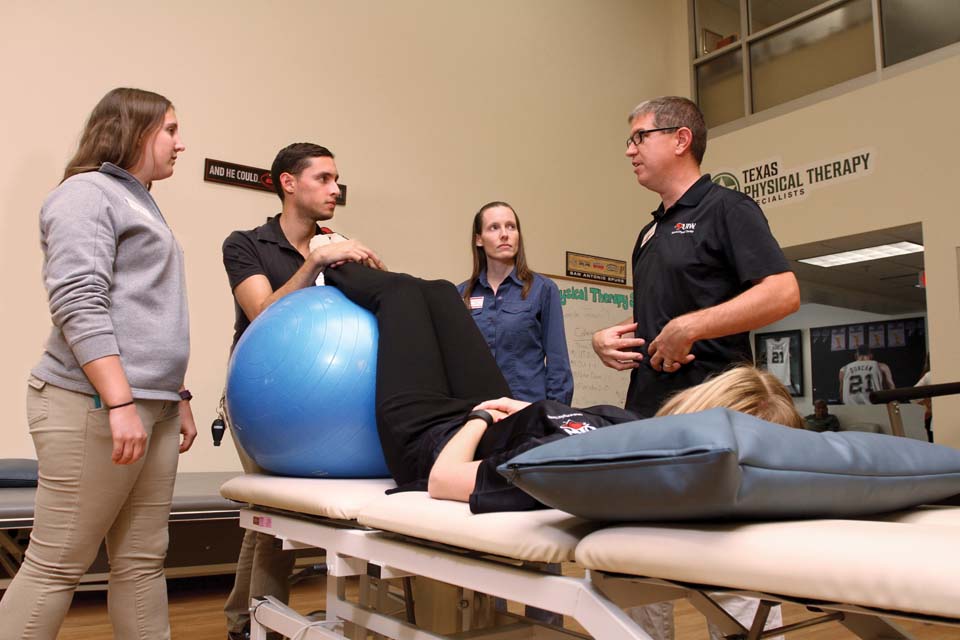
{"x": 772, "y": 183}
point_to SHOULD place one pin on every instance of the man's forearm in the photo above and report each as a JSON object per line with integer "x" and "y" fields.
{"x": 304, "y": 277}
{"x": 772, "y": 299}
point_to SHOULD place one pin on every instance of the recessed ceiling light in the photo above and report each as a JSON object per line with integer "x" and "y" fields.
{"x": 863, "y": 255}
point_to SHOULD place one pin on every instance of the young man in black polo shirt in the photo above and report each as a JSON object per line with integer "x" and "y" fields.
{"x": 264, "y": 264}
{"x": 706, "y": 269}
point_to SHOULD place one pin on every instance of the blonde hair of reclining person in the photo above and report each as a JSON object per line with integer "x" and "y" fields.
{"x": 745, "y": 389}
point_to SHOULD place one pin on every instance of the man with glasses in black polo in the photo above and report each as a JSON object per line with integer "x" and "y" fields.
{"x": 706, "y": 269}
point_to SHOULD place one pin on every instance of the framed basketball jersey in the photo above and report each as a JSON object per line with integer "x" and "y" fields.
{"x": 778, "y": 358}
{"x": 781, "y": 354}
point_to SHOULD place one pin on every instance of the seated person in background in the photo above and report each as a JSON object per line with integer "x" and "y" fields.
{"x": 434, "y": 369}
{"x": 821, "y": 419}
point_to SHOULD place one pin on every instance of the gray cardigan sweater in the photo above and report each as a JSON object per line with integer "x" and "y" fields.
{"x": 115, "y": 283}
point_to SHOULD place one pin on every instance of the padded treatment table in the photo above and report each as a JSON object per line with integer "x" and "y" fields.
{"x": 863, "y": 574}
{"x": 204, "y": 537}
{"x": 902, "y": 565}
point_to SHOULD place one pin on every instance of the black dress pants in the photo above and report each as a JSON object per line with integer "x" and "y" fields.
{"x": 433, "y": 365}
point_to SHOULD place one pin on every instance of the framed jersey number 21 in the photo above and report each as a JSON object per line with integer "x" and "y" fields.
{"x": 781, "y": 354}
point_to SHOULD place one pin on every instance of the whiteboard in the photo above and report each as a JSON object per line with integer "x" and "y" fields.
{"x": 587, "y": 307}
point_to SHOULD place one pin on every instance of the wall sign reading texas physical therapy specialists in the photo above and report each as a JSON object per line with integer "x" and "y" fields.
{"x": 770, "y": 183}
{"x": 241, "y": 175}
{"x": 581, "y": 265}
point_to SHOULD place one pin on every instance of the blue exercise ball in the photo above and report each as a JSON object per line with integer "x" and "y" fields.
{"x": 301, "y": 385}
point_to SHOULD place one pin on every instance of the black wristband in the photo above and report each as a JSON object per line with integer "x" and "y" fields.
{"x": 480, "y": 414}
{"x": 122, "y": 404}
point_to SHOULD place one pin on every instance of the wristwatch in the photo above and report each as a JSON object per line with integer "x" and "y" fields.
{"x": 480, "y": 414}
{"x": 186, "y": 395}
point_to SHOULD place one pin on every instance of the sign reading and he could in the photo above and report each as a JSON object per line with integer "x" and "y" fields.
{"x": 770, "y": 183}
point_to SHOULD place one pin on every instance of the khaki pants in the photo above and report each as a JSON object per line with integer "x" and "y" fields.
{"x": 82, "y": 498}
{"x": 263, "y": 568}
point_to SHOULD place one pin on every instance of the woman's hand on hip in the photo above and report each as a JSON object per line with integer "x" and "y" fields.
{"x": 129, "y": 436}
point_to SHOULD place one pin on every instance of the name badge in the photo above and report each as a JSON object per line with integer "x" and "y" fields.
{"x": 476, "y": 302}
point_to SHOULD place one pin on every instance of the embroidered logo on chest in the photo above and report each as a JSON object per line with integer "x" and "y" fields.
{"x": 683, "y": 228}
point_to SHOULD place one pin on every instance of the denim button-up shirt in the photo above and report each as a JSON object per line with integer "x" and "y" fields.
{"x": 525, "y": 336}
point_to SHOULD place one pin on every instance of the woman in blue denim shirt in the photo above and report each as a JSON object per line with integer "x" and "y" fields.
{"x": 518, "y": 311}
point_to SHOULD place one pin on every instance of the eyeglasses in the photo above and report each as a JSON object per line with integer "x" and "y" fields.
{"x": 636, "y": 138}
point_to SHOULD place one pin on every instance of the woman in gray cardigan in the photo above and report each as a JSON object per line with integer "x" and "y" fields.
{"x": 106, "y": 405}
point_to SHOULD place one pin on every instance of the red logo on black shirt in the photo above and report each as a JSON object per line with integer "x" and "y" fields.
{"x": 574, "y": 428}
{"x": 684, "y": 227}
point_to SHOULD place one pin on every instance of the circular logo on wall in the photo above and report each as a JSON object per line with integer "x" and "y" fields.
{"x": 728, "y": 180}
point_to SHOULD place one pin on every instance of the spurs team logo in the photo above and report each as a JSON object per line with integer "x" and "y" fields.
{"x": 684, "y": 227}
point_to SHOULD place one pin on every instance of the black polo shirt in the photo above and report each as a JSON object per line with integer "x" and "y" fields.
{"x": 706, "y": 249}
{"x": 261, "y": 251}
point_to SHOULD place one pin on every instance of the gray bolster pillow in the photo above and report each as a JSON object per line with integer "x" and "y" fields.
{"x": 720, "y": 464}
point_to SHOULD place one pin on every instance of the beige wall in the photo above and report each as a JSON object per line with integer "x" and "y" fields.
{"x": 432, "y": 107}
{"x": 909, "y": 119}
